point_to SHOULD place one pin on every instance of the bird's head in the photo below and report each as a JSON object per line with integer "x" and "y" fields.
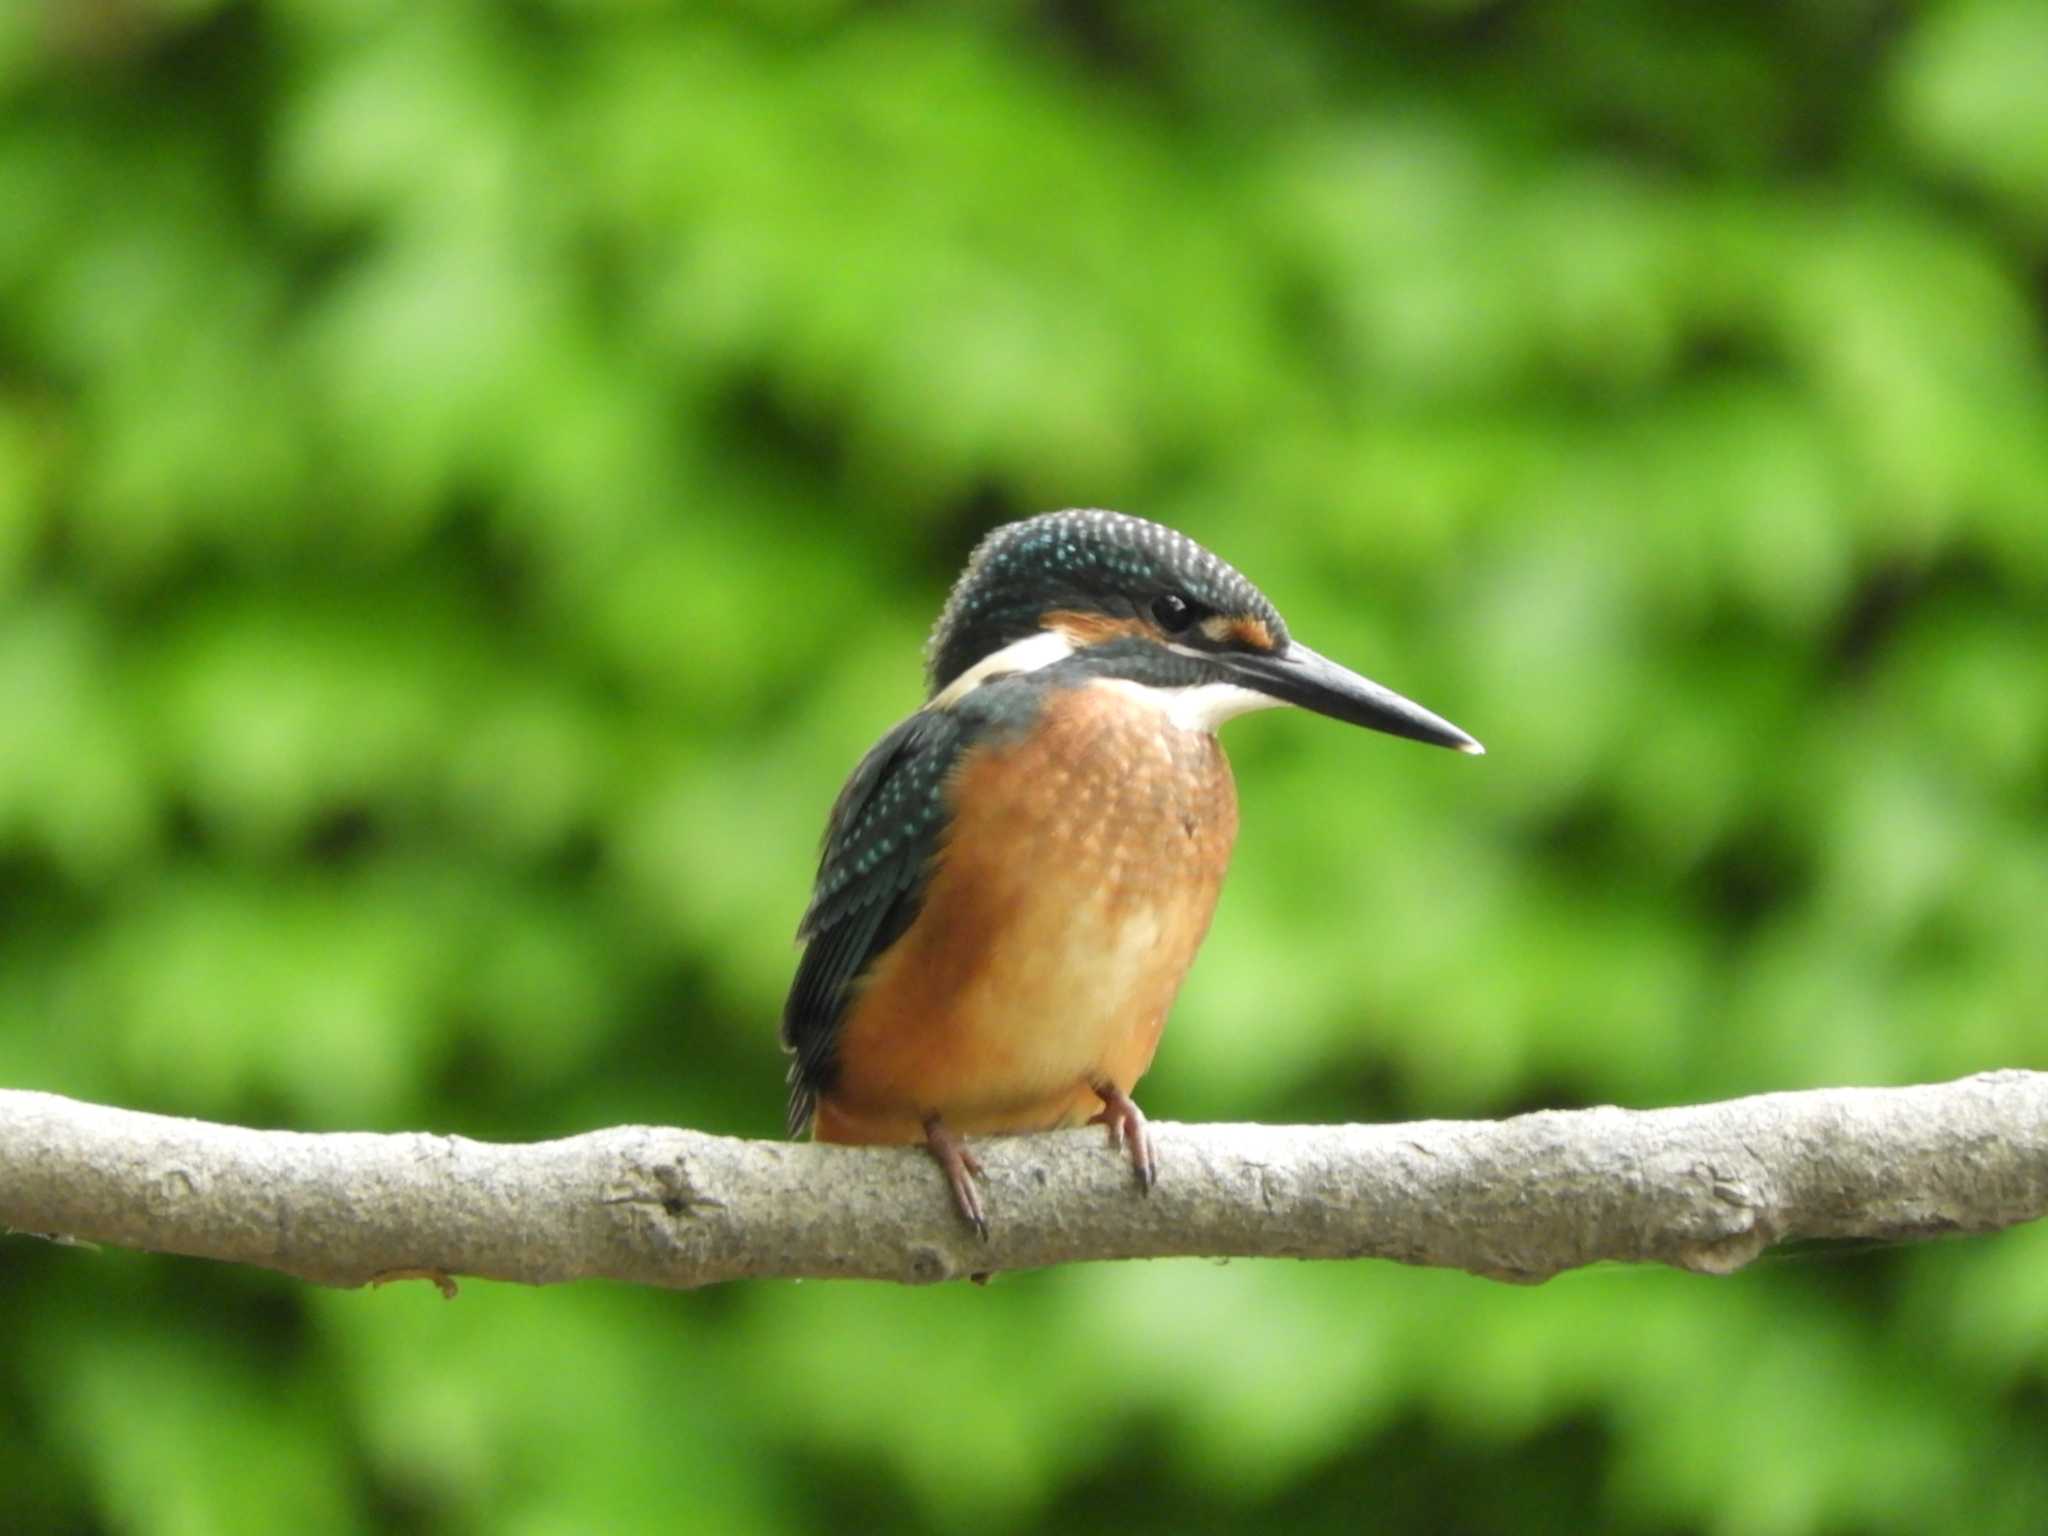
{"x": 1156, "y": 611}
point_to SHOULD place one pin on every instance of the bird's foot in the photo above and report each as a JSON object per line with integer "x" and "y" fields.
{"x": 962, "y": 1169}
{"x": 1128, "y": 1129}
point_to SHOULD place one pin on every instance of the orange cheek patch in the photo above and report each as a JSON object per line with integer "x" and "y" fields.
{"x": 1252, "y": 632}
{"x": 1086, "y": 629}
{"x": 1246, "y": 631}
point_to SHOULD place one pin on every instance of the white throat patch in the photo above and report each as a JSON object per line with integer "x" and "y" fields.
{"x": 1197, "y": 707}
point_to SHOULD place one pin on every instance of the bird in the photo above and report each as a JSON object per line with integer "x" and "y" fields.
{"x": 1016, "y": 878}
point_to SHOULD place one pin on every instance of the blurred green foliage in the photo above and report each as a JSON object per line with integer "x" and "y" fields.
{"x": 473, "y": 478}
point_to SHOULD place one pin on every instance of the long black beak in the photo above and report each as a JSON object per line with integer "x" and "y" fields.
{"x": 1298, "y": 675}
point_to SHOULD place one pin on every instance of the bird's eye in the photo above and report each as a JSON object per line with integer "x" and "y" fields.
{"x": 1173, "y": 612}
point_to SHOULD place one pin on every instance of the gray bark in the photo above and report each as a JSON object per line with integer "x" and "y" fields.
{"x": 1705, "y": 1188}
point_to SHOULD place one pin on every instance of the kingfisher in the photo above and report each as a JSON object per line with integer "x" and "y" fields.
{"x": 1016, "y": 878}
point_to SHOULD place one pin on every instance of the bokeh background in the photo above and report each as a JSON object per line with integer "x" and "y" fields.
{"x": 474, "y": 477}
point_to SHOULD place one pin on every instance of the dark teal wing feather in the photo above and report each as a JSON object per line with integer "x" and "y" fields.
{"x": 877, "y": 857}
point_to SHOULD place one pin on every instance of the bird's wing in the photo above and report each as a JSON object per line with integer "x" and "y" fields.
{"x": 877, "y": 857}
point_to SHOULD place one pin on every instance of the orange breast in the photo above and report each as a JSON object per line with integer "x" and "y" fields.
{"x": 1067, "y": 903}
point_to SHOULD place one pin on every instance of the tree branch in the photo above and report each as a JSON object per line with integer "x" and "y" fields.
{"x": 1705, "y": 1188}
